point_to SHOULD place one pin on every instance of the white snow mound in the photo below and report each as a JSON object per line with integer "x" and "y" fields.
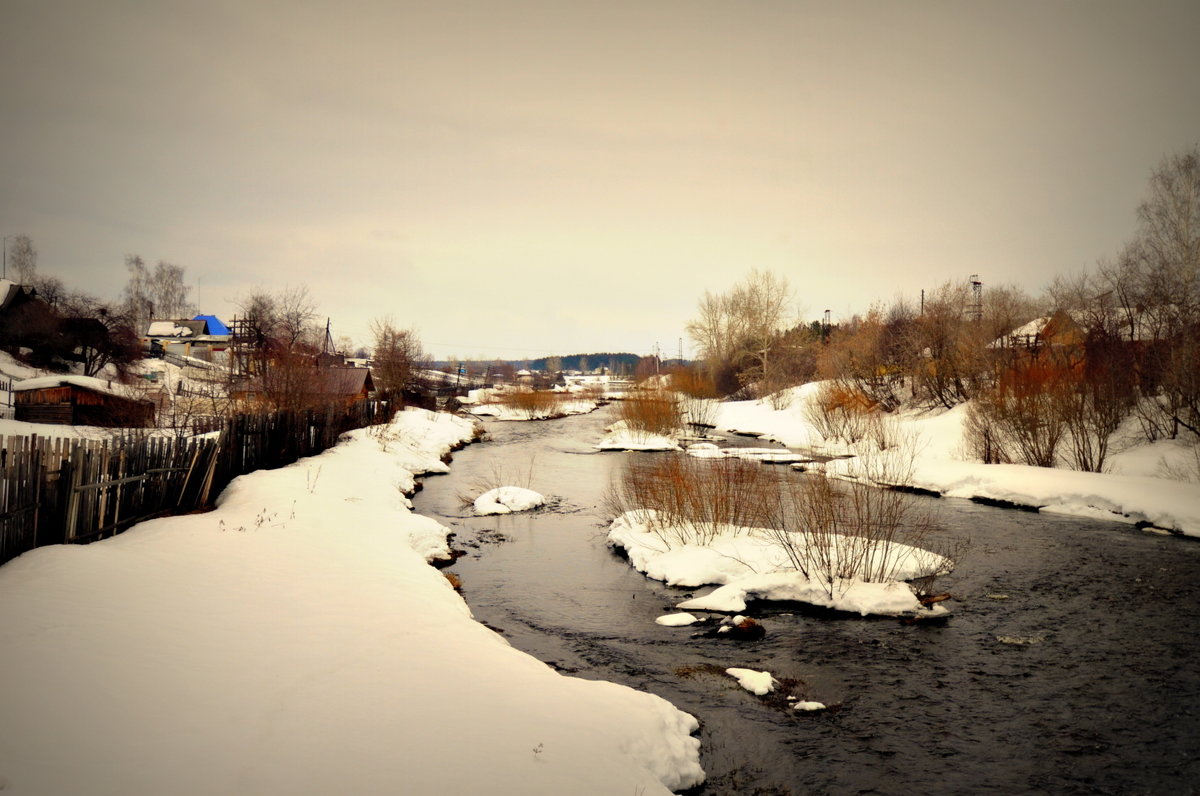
{"x": 507, "y": 499}
{"x": 759, "y": 683}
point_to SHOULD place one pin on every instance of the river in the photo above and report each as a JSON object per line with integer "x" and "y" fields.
{"x": 1069, "y": 665}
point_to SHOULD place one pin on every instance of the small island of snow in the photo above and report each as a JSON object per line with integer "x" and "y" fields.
{"x": 507, "y": 499}
{"x": 758, "y": 683}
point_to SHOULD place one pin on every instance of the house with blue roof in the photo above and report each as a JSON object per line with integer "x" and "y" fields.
{"x": 204, "y": 337}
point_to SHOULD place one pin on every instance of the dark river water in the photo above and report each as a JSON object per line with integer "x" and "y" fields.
{"x": 1071, "y": 664}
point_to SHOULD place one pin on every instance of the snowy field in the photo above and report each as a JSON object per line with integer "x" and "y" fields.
{"x": 296, "y": 640}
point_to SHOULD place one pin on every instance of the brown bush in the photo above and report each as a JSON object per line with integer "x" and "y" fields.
{"x": 697, "y": 396}
{"x": 1023, "y": 414}
{"x": 695, "y": 499}
{"x": 532, "y": 403}
{"x": 652, "y": 412}
{"x": 842, "y": 412}
{"x": 862, "y": 529}
{"x": 693, "y": 383}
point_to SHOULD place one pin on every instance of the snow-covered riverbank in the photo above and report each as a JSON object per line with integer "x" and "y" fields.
{"x": 1136, "y": 488}
{"x": 295, "y": 640}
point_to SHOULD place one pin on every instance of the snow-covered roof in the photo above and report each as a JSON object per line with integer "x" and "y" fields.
{"x": 1130, "y": 324}
{"x": 167, "y": 329}
{"x": 61, "y": 380}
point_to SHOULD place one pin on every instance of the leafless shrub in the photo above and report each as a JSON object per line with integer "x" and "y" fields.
{"x": 697, "y": 396}
{"x": 982, "y": 437}
{"x": 532, "y": 404}
{"x": 694, "y": 500}
{"x": 837, "y": 532}
{"x": 652, "y": 412}
{"x": 841, "y": 412}
{"x": 500, "y": 472}
{"x": 1186, "y": 470}
{"x": 1024, "y": 412}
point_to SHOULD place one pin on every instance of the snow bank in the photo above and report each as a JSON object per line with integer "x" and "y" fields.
{"x": 1129, "y": 493}
{"x": 295, "y": 641}
{"x": 747, "y": 564}
{"x": 1171, "y": 505}
{"x": 507, "y": 499}
{"x": 852, "y": 596}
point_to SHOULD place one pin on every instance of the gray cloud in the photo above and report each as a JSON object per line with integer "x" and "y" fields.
{"x": 519, "y": 176}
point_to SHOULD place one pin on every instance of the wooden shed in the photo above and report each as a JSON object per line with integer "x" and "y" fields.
{"x": 79, "y": 401}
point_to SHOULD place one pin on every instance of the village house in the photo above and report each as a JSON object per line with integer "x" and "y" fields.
{"x": 80, "y": 401}
{"x": 203, "y": 337}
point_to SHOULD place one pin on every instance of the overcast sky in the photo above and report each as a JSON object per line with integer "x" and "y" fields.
{"x": 520, "y": 178}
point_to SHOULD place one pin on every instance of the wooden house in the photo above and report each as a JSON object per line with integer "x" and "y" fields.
{"x": 346, "y": 385}
{"x": 79, "y": 401}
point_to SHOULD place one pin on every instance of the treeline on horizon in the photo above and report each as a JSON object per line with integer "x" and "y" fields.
{"x": 619, "y": 362}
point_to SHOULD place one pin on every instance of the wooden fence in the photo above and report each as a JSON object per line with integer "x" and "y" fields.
{"x": 56, "y": 491}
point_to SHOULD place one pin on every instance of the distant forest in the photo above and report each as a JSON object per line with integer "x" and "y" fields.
{"x": 622, "y": 362}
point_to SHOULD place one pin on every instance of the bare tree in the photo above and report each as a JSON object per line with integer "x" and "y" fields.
{"x": 736, "y": 332}
{"x": 1158, "y": 278}
{"x": 50, "y": 289}
{"x": 297, "y": 315}
{"x": 158, "y": 293}
{"x": 260, "y": 314}
{"x": 397, "y": 356}
{"x": 21, "y": 260}
{"x": 169, "y": 292}
{"x": 138, "y": 296}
